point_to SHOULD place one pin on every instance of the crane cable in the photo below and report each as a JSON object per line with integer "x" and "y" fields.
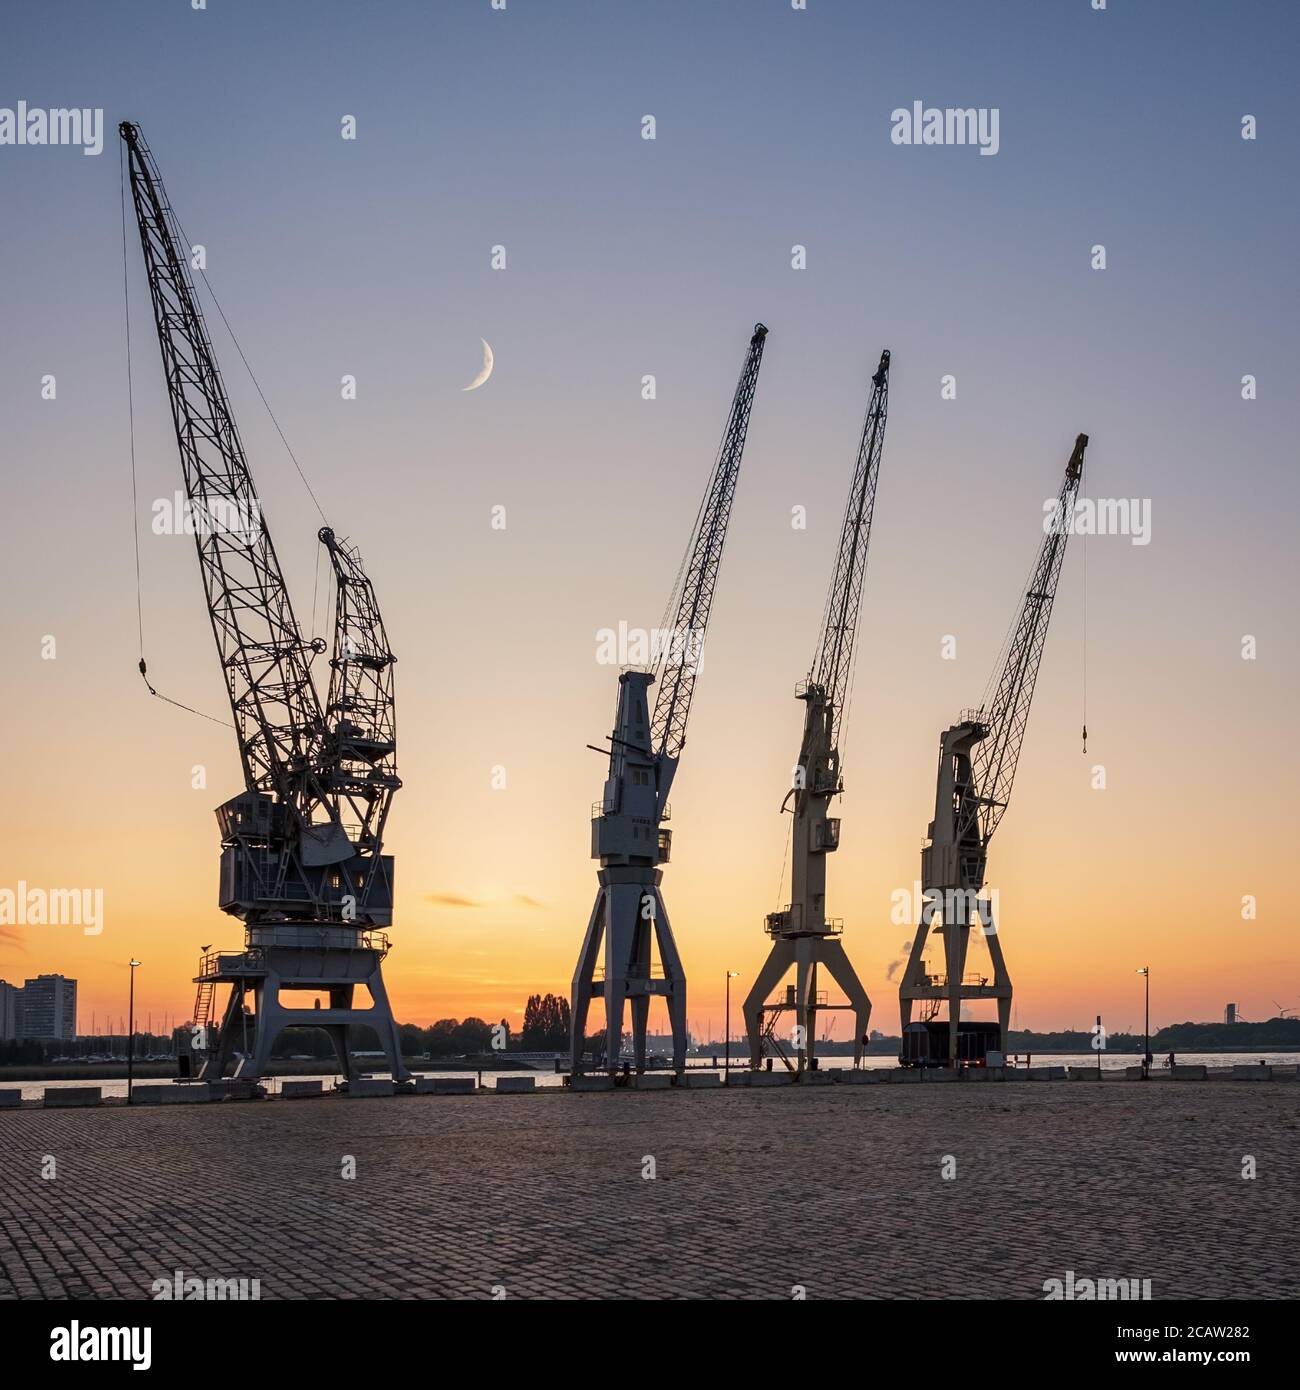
{"x": 207, "y": 284}
{"x": 785, "y": 858}
{"x": 135, "y": 504}
{"x": 1084, "y": 548}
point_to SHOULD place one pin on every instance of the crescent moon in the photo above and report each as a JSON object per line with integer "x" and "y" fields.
{"x": 486, "y": 370}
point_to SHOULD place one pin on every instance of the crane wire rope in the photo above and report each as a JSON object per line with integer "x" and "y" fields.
{"x": 785, "y": 858}
{"x": 135, "y": 491}
{"x": 1083, "y": 546}
{"x": 207, "y": 285}
{"x": 135, "y": 521}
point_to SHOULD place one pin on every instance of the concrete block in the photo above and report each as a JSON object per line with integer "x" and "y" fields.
{"x": 365, "y": 1087}
{"x": 238, "y": 1088}
{"x": 976, "y": 1074}
{"x": 1251, "y": 1071}
{"x": 296, "y": 1090}
{"x": 897, "y": 1075}
{"x": 445, "y": 1085}
{"x": 932, "y": 1074}
{"x": 594, "y": 1082}
{"x": 771, "y": 1078}
{"x": 698, "y": 1080}
{"x": 1046, "y": 1073}
{"x": 1084, "y": 1074}
{"x": 1132, "y": 1073}
{"x": 58, "y": 1096}
{"x": 10, "y": 1100}
{"x": 818, "y": 1078}
{"x": 738, "y": 1076}
{"x": 653, "y": 1081}
{"x": 515, "y": 1085}
{"x": 863, "y": 1076}
{"x": 171, "y": 1094}
{"x": 1183, "y": 1072}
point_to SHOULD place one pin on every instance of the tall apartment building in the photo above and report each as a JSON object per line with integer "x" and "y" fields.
{"x": 49, "y": 1008}
{"x": 10, "y": 1011}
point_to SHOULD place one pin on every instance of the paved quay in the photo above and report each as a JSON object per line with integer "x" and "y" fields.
{"x": 837, "y": 1190}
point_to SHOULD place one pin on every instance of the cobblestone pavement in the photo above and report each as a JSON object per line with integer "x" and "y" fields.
{"x": 837, "y": 1189}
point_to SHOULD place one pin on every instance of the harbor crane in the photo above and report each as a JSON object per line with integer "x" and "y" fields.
{"x": 302, "y": 861}
{"x": 802, "y": 935}
{"x": 978, "y": 757}
{"x": 628, "y": 835}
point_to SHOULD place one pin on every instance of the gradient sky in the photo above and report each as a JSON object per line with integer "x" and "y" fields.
{"x": 628, "y": 257}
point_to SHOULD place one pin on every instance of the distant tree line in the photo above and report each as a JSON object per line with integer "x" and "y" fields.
{"x": 38, "y": 1050}
{"x": 546, "y": 1024}
{"x": 1272, "y": 1035}
{"x": 545, "y": 1029}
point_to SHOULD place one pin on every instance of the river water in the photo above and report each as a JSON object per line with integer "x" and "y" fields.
{"x": 1110, "y": 1062}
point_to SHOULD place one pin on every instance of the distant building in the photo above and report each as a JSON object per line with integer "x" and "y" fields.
{"x": 49, "y": 1008}
{"x": 11, "y": 997}
{"x": 1230, "y": 1014}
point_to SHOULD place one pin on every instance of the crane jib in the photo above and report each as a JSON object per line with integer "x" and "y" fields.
{"x": 996, "y": 757}
{"x": 832, "y": 664}
{"x": 679, "y": 665}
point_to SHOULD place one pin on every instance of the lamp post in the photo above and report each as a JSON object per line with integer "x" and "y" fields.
{"x": 1145, "y": 972}
{"x": 731, "y": 975}
{"x": 130, "y": 1044}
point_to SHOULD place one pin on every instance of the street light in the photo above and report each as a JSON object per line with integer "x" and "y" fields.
{"x": 1145, "y": 972}
{"x": 731, "y": 975}
{"x": 130, "y": 1046}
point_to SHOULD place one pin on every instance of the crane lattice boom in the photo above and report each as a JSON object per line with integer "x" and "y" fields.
{"x": 833, "y": 663}
{"x": 277, "y": 713}
{"x": 679, "y": 659}
{"x": 359, "y": 756}
{"x": 996, "y": 755}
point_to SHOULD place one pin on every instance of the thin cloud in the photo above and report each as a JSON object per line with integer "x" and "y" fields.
{"x": 525, "y": 901}
{"x": 451, "y": 900}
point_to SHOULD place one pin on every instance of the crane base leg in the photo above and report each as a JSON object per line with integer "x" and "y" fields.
{"x": 628, "y": 911}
